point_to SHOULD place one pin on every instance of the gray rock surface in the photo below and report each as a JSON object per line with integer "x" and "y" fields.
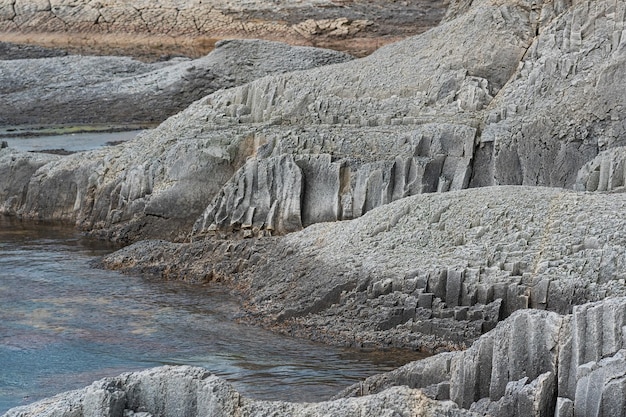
{"x": 159, "y": 184}
{"x": 298, "y": 178}
{"x": 535, "y": 363}
{"x": 605, "y": 172}
{"x": 90, "y": 89}
{"x": 188, "y": 392}
{"x": 16, "y": 170}
{"x": 538, "y": 102}
{"x": 194, "y": 25}
{"x": 426, "y": 272}
{"x": 335, "y": 142}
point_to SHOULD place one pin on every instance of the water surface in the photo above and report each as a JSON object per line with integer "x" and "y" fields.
{"x": 64, "y": 325}
{"x": 74, "y": 142}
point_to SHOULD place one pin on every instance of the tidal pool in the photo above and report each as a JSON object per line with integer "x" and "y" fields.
{"x": 64, "y": 324}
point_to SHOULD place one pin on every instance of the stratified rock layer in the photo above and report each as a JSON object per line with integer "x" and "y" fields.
{"x": 193, "y": 26}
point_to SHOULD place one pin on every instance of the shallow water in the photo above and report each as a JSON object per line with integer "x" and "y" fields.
{"x": 64, "y": 325}
{"x": 74, "y": 142}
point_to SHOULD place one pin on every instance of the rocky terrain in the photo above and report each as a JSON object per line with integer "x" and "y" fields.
{"x": 151, "y": 29}
{"x": 73, "y": 89}
{"x": 186, "y": 392}
{"x": 454, "y": 192}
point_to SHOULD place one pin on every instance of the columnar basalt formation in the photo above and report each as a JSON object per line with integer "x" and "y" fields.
{"x": 397, "y": 201}
{"x": 426, "y": 272}
{"x": 418, "y": 113}
{"x": 285, "y": 187}
{"x": 534, "y": 363}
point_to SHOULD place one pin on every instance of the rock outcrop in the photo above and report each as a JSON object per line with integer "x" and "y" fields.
{"x": 281, "y": 159}
{"x": 16, "y": 170}
{"x": 405, "y": 120}
{"x": 110, "y": 189}
{"x": 119, "y": 90}
{"x": 492, "y": 118}
{"x": 192, "y": 27}
{"x": 425, "y": 272}
{"x": 533, "y": 364}
{"x": 189, "y": 392}
{"x": 606, "y": 172}
{"x": 287, "y": 187}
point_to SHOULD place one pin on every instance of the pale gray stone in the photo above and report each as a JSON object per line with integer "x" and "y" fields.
{"x": 188, "y": 392}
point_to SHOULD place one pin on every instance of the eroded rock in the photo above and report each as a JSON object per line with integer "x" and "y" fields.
{"x": 90, "y": 89}
{"x": 427, "y": 272}
{"x": 534, "y": 363}
{"x": 185, "y": 391}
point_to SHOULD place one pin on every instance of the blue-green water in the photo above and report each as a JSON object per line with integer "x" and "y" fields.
{"x": 64, "y": 325}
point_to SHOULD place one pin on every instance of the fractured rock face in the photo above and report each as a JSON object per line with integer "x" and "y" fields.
{"x": 421, "y": 115}
{"x": 168, "y": 173}
{"x": 186, "y": 392}
{"x": 534, "y": 363}
{"x": 573, "y": 71}
{"x": 427, "y": 272}
{"x": 16, "y": 169}
{"x": 285, "y": 187}
{"x": 606, "y": 172}
{"x": 507, "y": 96}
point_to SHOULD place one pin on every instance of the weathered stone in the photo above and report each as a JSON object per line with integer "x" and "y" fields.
{"x": 185, "y": 391}
{"x": 159, "y": 27}
{"x": 122, "y": 90}
{"x": 512, "y": 370}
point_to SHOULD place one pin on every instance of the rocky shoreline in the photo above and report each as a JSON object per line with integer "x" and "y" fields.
{"x": 151, "y": 30}
{"x": 457, "y": 192}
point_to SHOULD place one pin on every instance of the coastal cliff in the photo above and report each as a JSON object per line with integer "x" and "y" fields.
{"x": 458, "y": 191}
